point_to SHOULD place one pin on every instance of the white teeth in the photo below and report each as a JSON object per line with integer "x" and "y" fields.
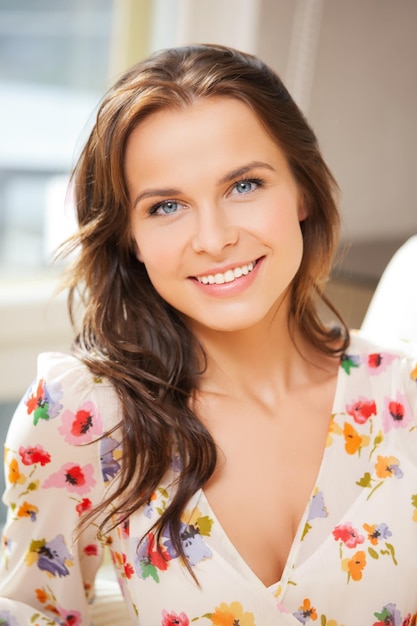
{"x": 227, "y": 277}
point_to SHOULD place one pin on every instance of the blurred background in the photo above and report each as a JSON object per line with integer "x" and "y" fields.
{"x": 349, "y": 64}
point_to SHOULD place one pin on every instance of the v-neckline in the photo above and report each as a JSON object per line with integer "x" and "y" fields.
{"x": 296, "y": 542}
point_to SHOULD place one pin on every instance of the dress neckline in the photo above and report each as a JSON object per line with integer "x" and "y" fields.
{"x": 296, "y": 543}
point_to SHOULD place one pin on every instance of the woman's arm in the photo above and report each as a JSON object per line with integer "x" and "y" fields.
{"x": 54, "y": 476}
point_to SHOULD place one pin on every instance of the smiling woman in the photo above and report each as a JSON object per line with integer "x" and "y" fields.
{"x": 214, "y": 224}
{"x": 246, "y": 463}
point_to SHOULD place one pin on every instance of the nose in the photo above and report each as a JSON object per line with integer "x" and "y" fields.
{"x": 213, "y": 231}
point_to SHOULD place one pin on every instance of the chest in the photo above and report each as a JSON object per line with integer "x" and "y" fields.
{"x": 266, "y": 472}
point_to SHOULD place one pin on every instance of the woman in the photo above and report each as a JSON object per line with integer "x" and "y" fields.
{"x": 244, "y": 463}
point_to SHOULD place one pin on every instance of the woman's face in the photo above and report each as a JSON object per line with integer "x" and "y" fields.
{"x": 215, "y": 213}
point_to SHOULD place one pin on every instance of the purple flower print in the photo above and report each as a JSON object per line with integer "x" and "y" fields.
{"x": 73, "y": 477}
{"x": 383, "y": 531}
{"x": 150, "y": 559}
{"x": 109, "y": 465}
{"x": 350, "y": 361}
{"x": 389, "y": 615}
{"x": 194, "y": 547}
{"x": 317, "y": 507}
{"x": 53, "y": 556}
{"x": 7, "y": 619}
{"x": 81, "y": 426}
{"x": 193, "y": 543}
{"x": 176, "y": 464}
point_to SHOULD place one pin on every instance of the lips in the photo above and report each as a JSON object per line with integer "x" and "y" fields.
{"x": 228, "y": 276}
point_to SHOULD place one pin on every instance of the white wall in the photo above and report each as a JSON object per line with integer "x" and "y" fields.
{"x": 364, "y": 106}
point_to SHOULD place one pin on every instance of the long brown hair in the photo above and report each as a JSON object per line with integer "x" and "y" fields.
{"x": 128, "y": 333}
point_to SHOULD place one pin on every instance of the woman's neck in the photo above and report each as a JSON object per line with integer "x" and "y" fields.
{"x": 262, "y": 362}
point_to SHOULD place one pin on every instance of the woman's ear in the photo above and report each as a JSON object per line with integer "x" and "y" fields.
{"x": 302, "y": 212}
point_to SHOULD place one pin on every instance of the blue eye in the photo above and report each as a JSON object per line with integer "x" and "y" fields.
{"x": 247, "y": 186}
{"x": 164, "y": 208}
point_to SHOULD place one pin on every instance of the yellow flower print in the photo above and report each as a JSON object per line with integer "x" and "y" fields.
{"x": 41, "y": 595}
{"x": 353, "y": 441}
{"x": 15, "y": 476}
{"x": 388, "y": 467}
{"x": 232, "y": 615}
{"x": 306, "y": 612}
{"x": 413, "y": 374}
{"x": 334, "y": 429}
{"x": 414, "y": 504}
{"x": 202, "y": 522}
{"x": 27, "y": 510}
{"x": 355, "y": 565}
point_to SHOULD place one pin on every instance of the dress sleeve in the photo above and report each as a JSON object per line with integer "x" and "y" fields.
{"x": 411, "y": 378}
{"x": 54, "y": 475}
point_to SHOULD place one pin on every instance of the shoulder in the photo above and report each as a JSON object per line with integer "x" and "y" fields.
{"x": 65, "y": 388}
{"x": 378, "y": 353}
{"x": 388, "y": 366}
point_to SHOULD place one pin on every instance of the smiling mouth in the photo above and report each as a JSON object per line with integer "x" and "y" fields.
{"x": 227, "y": 277}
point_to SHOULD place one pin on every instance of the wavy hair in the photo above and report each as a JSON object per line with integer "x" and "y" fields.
{"x": 127, "y": 332}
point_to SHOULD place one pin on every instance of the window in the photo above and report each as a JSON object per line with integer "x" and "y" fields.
{"x": 54, "y": 57}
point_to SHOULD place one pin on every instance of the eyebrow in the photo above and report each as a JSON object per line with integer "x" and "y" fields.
{"x": 236, "y": 173}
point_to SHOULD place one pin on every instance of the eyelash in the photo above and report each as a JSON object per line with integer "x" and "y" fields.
{"x": 153, "y": 210}
{"x": 254, "y": 181}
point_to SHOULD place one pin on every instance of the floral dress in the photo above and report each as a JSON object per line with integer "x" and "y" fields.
{"x": 353, "y": 561}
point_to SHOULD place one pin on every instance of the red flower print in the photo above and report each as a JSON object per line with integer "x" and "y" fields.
{"x": 374, "y": 360}
{"x": 349, "y": 535}
{"x": 82, "y": 423}
{"x": 73, "y": 477}
{"x": 125, "y": 529}
{"x": 378, "y": 362}
{"x": 168, "y": 619}
{"x": 82, "y": 426}
{"x": 156, "y": 558}
{"x": 71, "y": 618}
{"x": 44, "y": 403}
{"x": 127, "y": 568}
{"x": 34, "y": 454}
{"x": 397, "y": 413}
{"x": 151, "y": 558}
{"x": 91, "y": 549}
{"x": 35, "y": 399}
{"x": 397, "y": 410}
{"x": 361, "y": 410}
{"x": 83, "y": 506}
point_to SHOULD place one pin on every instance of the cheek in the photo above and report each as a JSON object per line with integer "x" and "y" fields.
{"x": 283, "y": 222}
{"x": 156, "y": 252}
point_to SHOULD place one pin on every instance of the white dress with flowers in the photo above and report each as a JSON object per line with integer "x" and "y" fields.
{"x": 353, "y": 561}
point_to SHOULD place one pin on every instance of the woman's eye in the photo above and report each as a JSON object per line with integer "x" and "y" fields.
{"x": 246, "y": 186}
{"x": 164, "y": 208}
